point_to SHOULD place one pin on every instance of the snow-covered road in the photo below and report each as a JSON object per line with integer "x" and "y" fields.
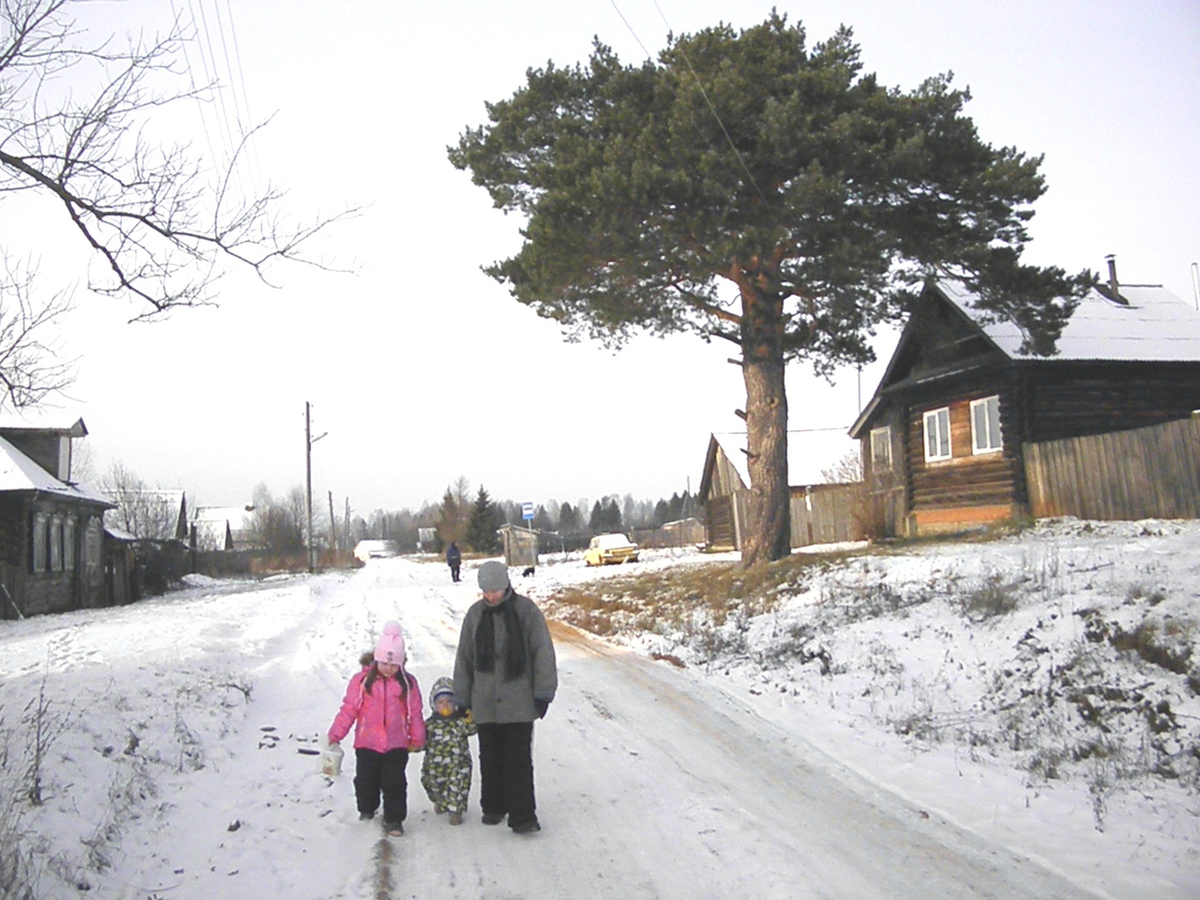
{"x": 180, "y": 772}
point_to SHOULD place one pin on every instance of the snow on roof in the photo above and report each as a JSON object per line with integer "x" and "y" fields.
{"x": 171, "y": 497}
{"x": 119, "y": 533}
{"x": 20, "y": 473}
{"x": 236, "y": 516}
{"x": 1154, "y": 325}
{"x": 210, "y": 522}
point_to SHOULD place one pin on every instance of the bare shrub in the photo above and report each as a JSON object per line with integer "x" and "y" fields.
{"x": 1167, "y": 644}
{"x": 43, "y": 726}
{"x": 15, "y": 876}
{"x": 995, "y": 597}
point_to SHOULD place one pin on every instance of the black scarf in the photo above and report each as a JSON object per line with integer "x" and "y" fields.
{"x": 514, "y": 639}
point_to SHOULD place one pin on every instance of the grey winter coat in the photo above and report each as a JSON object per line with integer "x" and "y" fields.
{"x": 491, "y": 698}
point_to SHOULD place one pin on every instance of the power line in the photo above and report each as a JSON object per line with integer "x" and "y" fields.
{"x": 703, "y": 93}
{"x": 713, "y": 109}
{"x": 237, "y": 54}
{"x": 192, "y": 80}
{"x": 630, "y": 27}
{"x": 237, "y": 108}
{"x": 237, "y": 80}
{"x": 203, "y": 39}
{"x": 212, "y": 72}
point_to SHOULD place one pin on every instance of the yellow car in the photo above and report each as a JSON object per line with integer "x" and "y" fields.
{"x": 610, "y": 549}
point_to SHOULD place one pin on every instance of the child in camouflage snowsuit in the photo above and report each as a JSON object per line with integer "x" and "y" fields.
{"x": 446, "y": 770}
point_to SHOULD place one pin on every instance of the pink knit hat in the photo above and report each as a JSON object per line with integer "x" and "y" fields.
{"x": 390, "y": 648}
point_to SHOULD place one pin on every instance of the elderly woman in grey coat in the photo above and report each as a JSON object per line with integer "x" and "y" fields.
{"x": 505, "y": 672}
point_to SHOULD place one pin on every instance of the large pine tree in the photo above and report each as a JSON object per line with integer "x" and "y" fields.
{"x": 821, "y": 199}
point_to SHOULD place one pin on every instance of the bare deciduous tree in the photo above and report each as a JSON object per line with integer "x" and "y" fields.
{"x": 31, "y": 361}
{"x": 162, "y": 223}
{"x": 142, "y": 511}
{"x": 278, "y": 524}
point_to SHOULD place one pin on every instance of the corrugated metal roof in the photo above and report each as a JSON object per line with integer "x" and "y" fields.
{"x": 1154, "y": 325}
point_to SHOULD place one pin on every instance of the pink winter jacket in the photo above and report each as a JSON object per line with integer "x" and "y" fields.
{"x": 382, "y": 720}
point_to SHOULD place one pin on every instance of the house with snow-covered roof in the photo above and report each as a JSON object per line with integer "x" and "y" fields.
{"x": 223, "y": 527}
{"x": 944, "y": 437}
{"x": 53, "y": 553}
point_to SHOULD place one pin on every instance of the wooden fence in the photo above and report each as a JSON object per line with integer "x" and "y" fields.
{"x": 828, "y": 514}
{"x": 1145, "y": 473}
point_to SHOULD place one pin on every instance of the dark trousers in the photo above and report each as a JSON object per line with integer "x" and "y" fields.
{"x": 506, "y": 771}
{"x": 378, "y": 773}
{"x": 454, "y": 567}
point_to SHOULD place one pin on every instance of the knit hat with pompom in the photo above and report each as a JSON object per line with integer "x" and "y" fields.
{"x": 390, "y": 648}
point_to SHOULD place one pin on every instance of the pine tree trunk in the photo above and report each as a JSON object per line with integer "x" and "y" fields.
{"x": 767, "y": 535}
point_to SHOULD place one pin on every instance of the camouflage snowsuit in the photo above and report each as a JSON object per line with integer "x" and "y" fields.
{"x": 446, "y": 769}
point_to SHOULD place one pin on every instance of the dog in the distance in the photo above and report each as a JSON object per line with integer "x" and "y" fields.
{"x": 527, "y": 572}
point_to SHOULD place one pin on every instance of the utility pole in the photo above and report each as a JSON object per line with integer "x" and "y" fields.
{"x": 309, "y": 440}
{"x": 332, "y": 525}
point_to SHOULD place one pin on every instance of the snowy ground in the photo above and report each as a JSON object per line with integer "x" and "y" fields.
{"x": 890, "y": 728}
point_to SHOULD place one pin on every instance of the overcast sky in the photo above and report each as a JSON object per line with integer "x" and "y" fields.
{"x": 419, "y": 367}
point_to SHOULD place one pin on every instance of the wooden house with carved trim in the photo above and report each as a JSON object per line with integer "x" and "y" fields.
{"x": 943, "y": 437}
{"x": 53, "y": 551}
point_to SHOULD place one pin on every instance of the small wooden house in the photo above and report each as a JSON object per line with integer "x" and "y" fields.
{"x": 943, "y": 437}
{"x": 520, "y": 545}
{"x": 820, "y": 513}
{"x": 724, "y": 478}
{"x": 222, "y": 528}
{"x": 52, "y": 542}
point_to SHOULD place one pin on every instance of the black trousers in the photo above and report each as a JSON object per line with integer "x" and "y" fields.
{"x": 382, "y": 773}
{"x": 506, "y": 771}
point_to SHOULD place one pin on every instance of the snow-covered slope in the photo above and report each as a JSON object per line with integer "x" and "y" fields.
{"x": 175, "y": 737}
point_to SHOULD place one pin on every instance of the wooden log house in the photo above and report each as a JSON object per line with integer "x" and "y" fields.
{"x": 53, "y": 551}
{"x": 944, "y": 436}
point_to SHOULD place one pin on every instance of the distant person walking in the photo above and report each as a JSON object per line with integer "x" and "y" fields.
{"x": 506, "y": 674}
{"x": 454, "y": 561}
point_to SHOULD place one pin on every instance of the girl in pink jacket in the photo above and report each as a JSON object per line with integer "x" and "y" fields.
{"x": 383, "y": 703}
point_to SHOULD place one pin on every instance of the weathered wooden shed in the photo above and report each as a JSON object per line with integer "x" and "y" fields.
{"x": 520, "y": 545}
{"x": 944, "y": 437}
{"x": 52, "y": 542}
{"x": 722, "y": 489}
{"x": 820, "y": 513}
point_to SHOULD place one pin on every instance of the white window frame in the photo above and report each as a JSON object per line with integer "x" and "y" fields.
{"x": 881, "y": 439}
{"x": 989, "y": 438}
{"x": 940, "y": 433}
